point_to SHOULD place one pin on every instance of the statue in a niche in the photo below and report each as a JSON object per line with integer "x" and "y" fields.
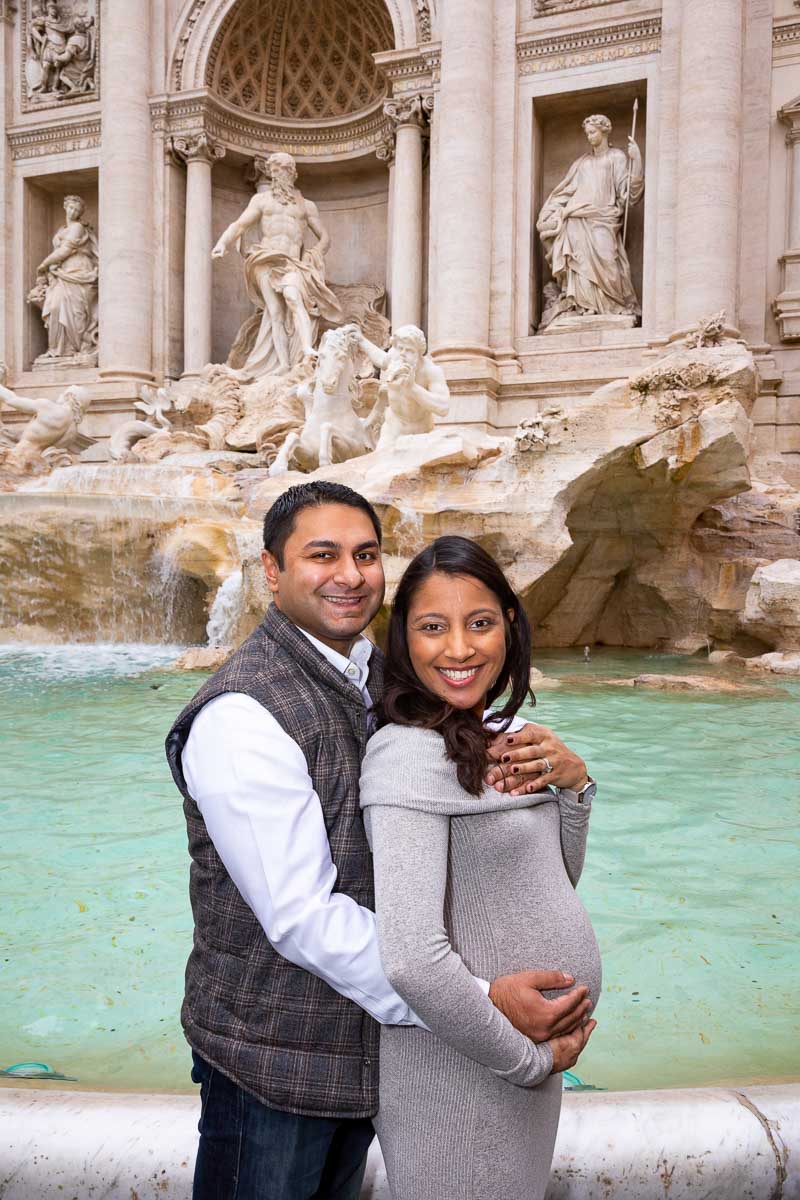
{"x": 51, "y": 438}
{"x": 413, "y": 389}
{"x": 63, "y": 54}
{"x": 582, "y": 227}
{"x": 284, "y": 277}
{"x": 66, "y": 291}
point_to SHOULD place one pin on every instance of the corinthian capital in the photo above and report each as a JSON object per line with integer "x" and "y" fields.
{"x": 409, "y": 110}
{"x": 191, "y": 147}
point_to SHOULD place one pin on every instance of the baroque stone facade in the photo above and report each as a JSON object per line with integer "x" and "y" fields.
{"x": 428, "y": 136}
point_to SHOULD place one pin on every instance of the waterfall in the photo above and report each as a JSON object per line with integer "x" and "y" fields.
{"x": 225, "y": 611}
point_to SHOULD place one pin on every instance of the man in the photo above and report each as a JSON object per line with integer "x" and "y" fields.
{"x": 413, "y": 388}
{"x": 581, "y": 225}
{"x": 284, "y": 985}
{"x": 282, "y": 278}
{"x": 54, "y": 424}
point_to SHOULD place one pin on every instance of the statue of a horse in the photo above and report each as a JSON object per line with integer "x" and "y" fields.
{"x": 332, "y": 432}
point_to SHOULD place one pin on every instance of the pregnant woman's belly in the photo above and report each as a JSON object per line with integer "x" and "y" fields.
{"x": 507, "y": 868}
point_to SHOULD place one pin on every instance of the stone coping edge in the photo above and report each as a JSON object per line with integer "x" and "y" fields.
{"x": 682, "y": 1142}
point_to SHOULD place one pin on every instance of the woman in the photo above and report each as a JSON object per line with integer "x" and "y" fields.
{"x": 66, "y": 287}
{"x": 469, "y": 883}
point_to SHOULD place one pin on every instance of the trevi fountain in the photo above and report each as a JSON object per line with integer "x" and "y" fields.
{"x": 523, "y": 270}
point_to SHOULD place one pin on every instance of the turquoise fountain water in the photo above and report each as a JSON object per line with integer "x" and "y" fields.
{"x": 691, "y": 875}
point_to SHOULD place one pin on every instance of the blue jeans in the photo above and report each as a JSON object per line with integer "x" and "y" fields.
{"x": 251, "y": 1152}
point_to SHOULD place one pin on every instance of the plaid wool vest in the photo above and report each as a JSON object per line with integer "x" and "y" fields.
{"x": 275, "y": 1029}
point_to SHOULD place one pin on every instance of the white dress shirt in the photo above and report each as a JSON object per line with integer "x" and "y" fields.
{"x": 250, "y": 780}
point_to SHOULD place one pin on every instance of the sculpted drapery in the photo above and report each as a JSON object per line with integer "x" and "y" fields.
{"x": 66, "y": 288}
{"x": 581, "y": 226}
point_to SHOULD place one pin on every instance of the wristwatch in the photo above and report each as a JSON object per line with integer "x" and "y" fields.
{"x": 586, "y": 793}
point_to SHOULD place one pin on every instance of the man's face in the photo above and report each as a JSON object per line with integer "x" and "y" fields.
{"x": 331, "y": 583}
{"x": 405, "y": 352}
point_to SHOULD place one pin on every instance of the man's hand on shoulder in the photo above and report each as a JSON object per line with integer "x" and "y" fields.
{"x": 519, "y": 998}
{"x": 522, "y": 758}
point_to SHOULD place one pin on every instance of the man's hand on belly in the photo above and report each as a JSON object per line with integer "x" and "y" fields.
{"x": 519, "y": 998}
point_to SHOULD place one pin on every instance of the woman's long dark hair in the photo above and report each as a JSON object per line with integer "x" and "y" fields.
{"x": 407, "y": 702}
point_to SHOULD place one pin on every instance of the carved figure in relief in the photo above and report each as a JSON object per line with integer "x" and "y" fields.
{"x": 154, "y": 404}
{"x": 63, "y": 54}
{"x": 536, "y": 433}
{"x": 51, "y": 437}
{"x": 66, "y": 290}
{"x": 284, "y": 277}
{"x": 581, "y": 227}
{"x": 332, "y": 431}
{"x": 413, "y": 389}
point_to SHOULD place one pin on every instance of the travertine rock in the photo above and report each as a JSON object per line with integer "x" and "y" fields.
{"x": 595, "y": 532}
{"x": 778, "y": 662}
{"x": 685, "y": 683}
{"x": 772, "y": 607}
{"x": 203, "y": 658}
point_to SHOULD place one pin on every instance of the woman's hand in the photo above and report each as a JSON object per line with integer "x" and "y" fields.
{"x": 568, "y": 1048}
{"x": 522, "y": 758}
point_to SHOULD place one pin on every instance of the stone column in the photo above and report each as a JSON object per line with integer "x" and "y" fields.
{"x": 786, "y": 305}
{"x": 408, "y": 114}
{"x": 385, "y": 154}
{"x": 462, "y": 189}
{"x": 126, "y": 194}
{"x": 709, "y": 132}
{"x": 199, "y": 152}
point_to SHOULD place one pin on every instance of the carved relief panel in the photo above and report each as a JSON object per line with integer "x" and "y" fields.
{"x": 543, "y": 8}
{"x": 60, "y": 52}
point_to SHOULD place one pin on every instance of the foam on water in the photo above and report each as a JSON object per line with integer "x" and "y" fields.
{"x": 24, "y": 663}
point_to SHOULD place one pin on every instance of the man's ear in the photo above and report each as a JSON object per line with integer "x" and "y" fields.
{"x": 270, "y": 570}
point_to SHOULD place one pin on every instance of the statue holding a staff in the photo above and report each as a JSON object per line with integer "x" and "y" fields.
{"x": 583, "y": 224}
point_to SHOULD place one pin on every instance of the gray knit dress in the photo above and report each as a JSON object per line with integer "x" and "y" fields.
{"x": 465, "y": 887}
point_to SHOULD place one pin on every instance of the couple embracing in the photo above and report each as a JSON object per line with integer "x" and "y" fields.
{"x": 382, "y": 881}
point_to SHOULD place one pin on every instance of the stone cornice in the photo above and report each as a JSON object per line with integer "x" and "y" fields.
{"x": 783, "y": 35}
{"x": 789, "y": 115}
{"x": 410, "y": 71}
{"x": 607, "y": 43}
{"x": 63, "y": 137}
{"x": 200, "y": 111}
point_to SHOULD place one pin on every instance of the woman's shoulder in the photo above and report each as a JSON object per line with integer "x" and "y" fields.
{"x": 397, "y": 759}
{"x": 402, "y": 735}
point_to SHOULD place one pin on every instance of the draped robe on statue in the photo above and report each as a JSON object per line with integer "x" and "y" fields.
{"x": 308, "y": 276}
{"x": 581, "y": 229}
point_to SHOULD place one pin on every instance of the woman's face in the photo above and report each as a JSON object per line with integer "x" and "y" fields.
{"x": 457, "y": 639}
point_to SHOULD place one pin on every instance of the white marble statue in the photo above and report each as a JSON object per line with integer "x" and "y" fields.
{"x": 66, "y": 290}
{"x": 284, "y": 277}
{"x": 154, "y": 406}
{"x": 51, "y": 438}
{"x": 413, "y": 389}
{"x": 332, "y": 432}
{"x": 581, "y": 227}
{"x": 63, "y": 53}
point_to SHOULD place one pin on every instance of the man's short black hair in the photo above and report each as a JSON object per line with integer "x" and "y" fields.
{"x": 279, "y": 521}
